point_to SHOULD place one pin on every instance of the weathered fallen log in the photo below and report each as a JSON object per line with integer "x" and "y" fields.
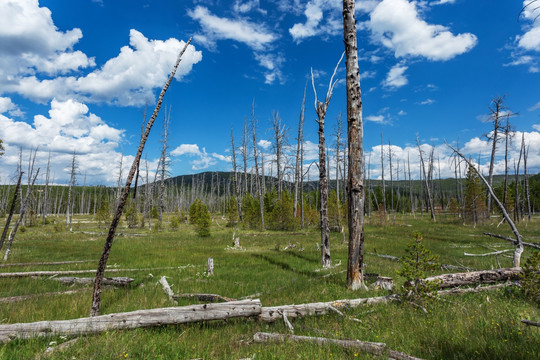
{"x": 74, "y": 272}
{"x": 489, "y": 254}
{"x": 274, "y": 313}
{"x": 30, "y": 296}
{"x": 113, "y": 281}
{"x": 443, "y": 266}
{"x": 131, "y": 320}
{"x": 373, "y": 348}
{"x": 46, "y": 263}
{"x": 475, "y": 277}
{"x": 203, "y": 297}
{"x": 536, "y": 246}
{"x": 530, "y": 323}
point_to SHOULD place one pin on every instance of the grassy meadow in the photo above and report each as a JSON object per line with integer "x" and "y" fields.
{"x": 472, "y": 326}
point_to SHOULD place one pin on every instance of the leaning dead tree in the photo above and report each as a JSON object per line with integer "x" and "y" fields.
{"x": 96, "y": 296}
{"x": 320, "y": 109}
{"x": 355, "y": 135}
{"x": 518, "y": 241}
{"x": 426, "y": 178}
{"x": 24, "y": 207}
{"x": 11, "y": 210}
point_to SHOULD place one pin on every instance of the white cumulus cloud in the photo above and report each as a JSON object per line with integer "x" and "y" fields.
{"x": 397, "y": 25}
{"x": 396, "y": 76}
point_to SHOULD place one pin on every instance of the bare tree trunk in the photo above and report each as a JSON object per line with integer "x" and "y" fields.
{"x": 320, "y": 109}
{"x": 496, "y": 108}
{"x": 24, "y": 206}
{"x": 139, "y": 163}
{"x": 519, "y": 243}
{"x": 517, "y": 214}
{"x": 236, "y": 186}
{"x": 11, "y": 210}
{"x": 355, "y": 135}
{"x": 255, "y": 158}
{"x": 279, "y": 135}
{"x": 164, "y": 163}
{"x": 391, "y": 176}
{"x": 383, "y": 186}
{"x": 244, "y": 152}
{"x": 298, "y": 170}
{"x": 45, "y": 209}
{"x": 96, "y": 296}
{"x": 426, "y": 181}
{"x": 526, "y": 178}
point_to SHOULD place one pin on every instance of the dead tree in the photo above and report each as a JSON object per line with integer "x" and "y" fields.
{"x": 526, "y": 178}
{"x": 45, "y": 208}
{"x": 339, "y": 144}
{"x": 355, "y": 136}
{"x": 320, "y": 109}
{"x": 298, "y": 170}
{"x": 96, "y": 295}
{"x": 11, "y": 210}
{"x": 279, "y": 135}
{"x": 517, "y": 214}
{"x": 139, "y": 163}
{"x": 244, "y": 152}
{"x": 164, "y": 164}
{"x": 518, "y": 241}
{"x": 256, "y": 160}
{"x": 24, "y": 207}
{"x": 426, "y": 179}
{"x": 236, "y": 186}
{"x": 69, "y": 209}
{"x": 383, "y": 185}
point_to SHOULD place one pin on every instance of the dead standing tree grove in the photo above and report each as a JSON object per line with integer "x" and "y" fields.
{"x": 355, "y": 175}
{"x": 96, "y": 295}
{"x": 320, "y": 109}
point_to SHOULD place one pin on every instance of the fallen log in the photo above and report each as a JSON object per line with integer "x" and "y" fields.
{"x": 373, "y": 348}
{"x": 203, "y": 297}
{"x": 489, "y": 254}
{"x": 30, "y": 296}
{"x": 530, "y": 323}
{"x": 533, "y": 245}
{"x": 475, "y": 277}
{"x": 443, "y": 266}
{"x": 74, "y": 272}
{"x": 131, "y": 320}
{"x": 46, "y": 263}
{"x": 274, "y": 313}
{"x": 166, "y": 287}
{"x": 113, "y": 281}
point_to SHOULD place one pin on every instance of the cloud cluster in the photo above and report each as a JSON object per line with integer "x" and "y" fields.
{"x": 38, "y": 61}
{"x": 396, "y": 77}
{"x": 397, "y": 25}
{"x": 69, "y": 127}
{"x": 202, "y": 160}
{"x": 527, "y": 46}
{"x": 254, "y": 35}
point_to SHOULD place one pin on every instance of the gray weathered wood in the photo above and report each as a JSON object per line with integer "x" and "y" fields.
{"x": 131, "y": 320}
{"x": 46, "y": 263}
{"x": 114, "y": 281}
{"x": 373, "y": 348}
{"x": 74, "y": 272}
{"x": 475, "y": 277}
{"x": 203, "y": 297}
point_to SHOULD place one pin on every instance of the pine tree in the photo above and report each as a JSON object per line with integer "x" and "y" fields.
{"x": 475, "y": 197}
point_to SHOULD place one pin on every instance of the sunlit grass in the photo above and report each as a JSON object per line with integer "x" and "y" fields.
{"x": 483, "y": 326}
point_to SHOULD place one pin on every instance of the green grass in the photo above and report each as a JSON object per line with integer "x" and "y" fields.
{"x": 479, "y": 326}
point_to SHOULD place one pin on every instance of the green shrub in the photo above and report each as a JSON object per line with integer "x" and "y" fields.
{"x": 530, "y": 278}
{"x": 416, "y": 263}
{"x": 200, "y": 217}
{"x": 131, "y": 214}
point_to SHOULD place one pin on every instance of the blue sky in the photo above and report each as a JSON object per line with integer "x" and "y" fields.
{"x": 75, "y": 76}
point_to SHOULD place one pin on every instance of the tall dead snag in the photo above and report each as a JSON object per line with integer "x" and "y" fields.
{"x": 11, "y": 210}
{"x": 298, "y": 170}
{"x": 279, "y": 135}
{"x": 355, "y": 135}
{"x": 235, "y": 179}
{"x": 320, "y": 109}
{"x": 518, "y": 241}
{"x": 256, "y": 160}
{"x": 69, "y": 207}
{"x": 426, "y": 178}
{"x": 164, "y": 165}
{"x": 96, "y": 296}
